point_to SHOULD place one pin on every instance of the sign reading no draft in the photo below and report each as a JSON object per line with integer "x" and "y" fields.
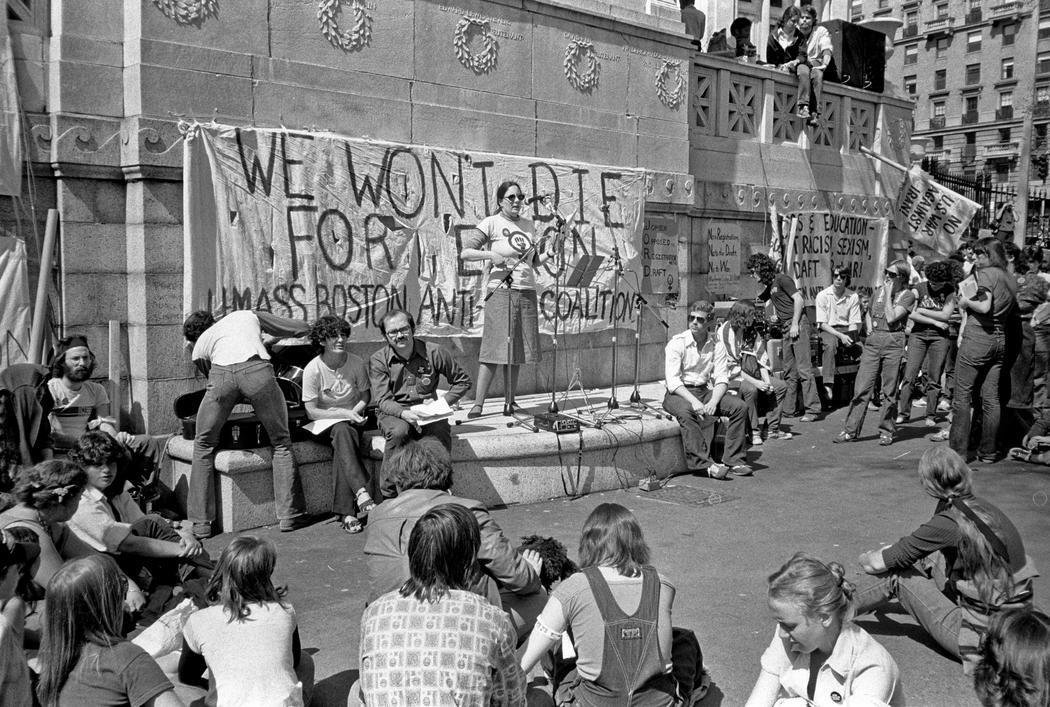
{"x": 306, "y": 224}
{"x": 823, "y": 241}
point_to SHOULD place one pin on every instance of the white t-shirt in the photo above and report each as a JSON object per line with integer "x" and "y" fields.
{"x": 235, "y": 338}
{"x": 338, "y": 388}
{"x": 818, "y": 42}
{"x": 95, "y": 523}
{"x": 498, "y": 231}
{"x": 251, "y": 660}
{"x": 75, "y": 408}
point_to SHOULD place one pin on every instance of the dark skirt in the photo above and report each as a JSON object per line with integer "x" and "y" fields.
{"x": 520, "y": 309}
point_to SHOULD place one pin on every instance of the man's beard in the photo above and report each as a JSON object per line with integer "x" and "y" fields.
{"x": 79, "y": 375}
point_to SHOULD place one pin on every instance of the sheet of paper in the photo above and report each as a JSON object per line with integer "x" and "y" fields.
{"x": 318, "y": 426}
{"x": 432, "y": 410}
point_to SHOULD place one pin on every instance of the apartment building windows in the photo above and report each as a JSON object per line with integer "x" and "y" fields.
{"x": 940, "y": 11}
{"x": 1006, "y": 99}
{"x": 938, "y": 143}
{"x": 941, "y": 48}
{"x": 973, "y": 41}
{"x": 1042, "y": 93}
{"x": 883, "y": 4}
{"x": 856, "y": 9}
{"x": 1007, "y": 71}
{"x": 911, "y": 54}
{"x": 1004, "y": 135}
{"x": 969, "y": 150}
{"x": 974, "y": 13}
{"x": 1009, "y": 33}
{"x": 973, "y": 74}
{"x": 940, "y": 79}
{"x": 937, "y": 115}
{"x": 1042, "y": 63}
{"x": 911, "y": 23}
{"x": 911, "y": 85}
{"x": 1044, "y": 28}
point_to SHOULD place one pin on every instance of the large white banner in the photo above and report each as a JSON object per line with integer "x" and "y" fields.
{"x": 817, "y": 242}
{"x": 932, "y": 214}
{"x": 14, "y": 304}
{"x": 306, "y": 224}
{"x": 10, "y": 127}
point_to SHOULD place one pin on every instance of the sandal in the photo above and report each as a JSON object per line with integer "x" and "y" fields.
{"x": 475, "y": 412}
{"x": 1021, "y": 454}
{"x": 352, "y": 525}
{"x": 367, "y": 507}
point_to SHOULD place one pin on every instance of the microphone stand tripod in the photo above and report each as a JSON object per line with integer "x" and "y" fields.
{"x": 636, "y": 397}
{"x": 504, "y": 284}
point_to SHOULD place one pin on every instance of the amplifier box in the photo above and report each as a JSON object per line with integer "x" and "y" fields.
{"x": 558, "y": 424}
{"x": 859, "y": 55}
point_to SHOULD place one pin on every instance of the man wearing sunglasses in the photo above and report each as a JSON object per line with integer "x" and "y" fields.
{"x": 697, "y": 377}
{"x": 838, "y": 318}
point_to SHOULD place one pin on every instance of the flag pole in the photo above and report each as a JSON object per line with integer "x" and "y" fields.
{"x": 884, "y": 160}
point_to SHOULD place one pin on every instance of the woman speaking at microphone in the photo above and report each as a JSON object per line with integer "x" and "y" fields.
{"x": 507, "y": 240}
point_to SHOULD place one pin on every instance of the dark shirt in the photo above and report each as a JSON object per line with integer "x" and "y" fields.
{"x": 905, "y": 298}
{"x": 777, "y": 54}
{"x": 398, "y": 384}
{"x": 781, "y": 292}
{"x": 122, "y": 674}
{"x": 941, "y": 532}
{"x": 928, "y": 299}
{"x": 1002, "y": 288}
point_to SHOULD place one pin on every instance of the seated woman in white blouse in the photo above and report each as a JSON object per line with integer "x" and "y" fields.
{"x": 818, "y": 656}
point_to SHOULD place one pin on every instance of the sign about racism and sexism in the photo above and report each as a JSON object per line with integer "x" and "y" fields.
{"x": 660, "y": 254}
{"x": 819, "y": 242}
{"x": 932, "y": 214}
{"x": 306, "y": 224}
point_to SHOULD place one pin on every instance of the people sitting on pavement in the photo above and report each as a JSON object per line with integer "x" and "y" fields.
{"x": 747, "y": 361}
{"x": 930, "y": 336}
{"x": 433, "y": 640}
{"x": 696, "y": 381}
{"x": 1014, "y": 665}
{"x": 336, "y": 390}
{"x": 423, "y": 471}
{"x": 882, "y": 355}
{"x": 84, "y": 657}
{"x": 818, "y": 656}
{"x": 162, "y": 556}
{"x": 15, "y": 560}
{"x": 789, "y": 306}
{"x": 248, "y": 639}
{"x": 838, "y": 316}
{"x": 230, "y": 352}
{"x": 959, "y": 569}
{"x": 621, "y": 658}
{"x": 404, "y": 374}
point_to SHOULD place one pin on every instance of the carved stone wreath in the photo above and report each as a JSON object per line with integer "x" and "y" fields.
{"x": 188, "y": 12}
{"x": 357, "y": 37}
{"x": 588, "y": 80}
{"x": 670, "y": 97}
{"x": 485, "y": 60}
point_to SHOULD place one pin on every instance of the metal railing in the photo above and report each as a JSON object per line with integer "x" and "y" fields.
{"x": 1004, "y": 113}
{"x": 969, "y": 117}
{"x": 937, "y": 122}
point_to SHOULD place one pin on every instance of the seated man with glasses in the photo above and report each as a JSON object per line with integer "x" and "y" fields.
{"x": 838, "y": 318}
{"x": 404, "y": 373}
{"x": 697, "y": 377}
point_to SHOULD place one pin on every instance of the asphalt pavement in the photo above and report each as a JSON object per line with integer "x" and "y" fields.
{"x": 717, "y": 541}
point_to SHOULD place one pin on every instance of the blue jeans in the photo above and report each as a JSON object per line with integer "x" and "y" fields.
{"x": 882, "y": 354}
{"x": 977, "y": 367}
{"x": 798, "y": 364}
{"x": 927, "y": 351}
{"x": 227, "y": 385}
{"x": 920, "y": 590}
{"x": 698, "y": 432}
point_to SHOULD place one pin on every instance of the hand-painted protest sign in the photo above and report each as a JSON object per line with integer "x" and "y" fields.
{"x": 307, "y": 224}
{"x": 660, "y": 254}
{"x": 14, "y": 305}
{"x": 821, "y": 241}
{"x": 932, "y": 214}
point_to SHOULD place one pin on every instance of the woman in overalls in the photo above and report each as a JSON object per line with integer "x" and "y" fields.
{"x": 617, "y": 611}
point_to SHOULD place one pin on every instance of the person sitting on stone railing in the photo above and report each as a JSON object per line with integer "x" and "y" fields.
{"x": 783, "y": 45}
{"x": 814, "y": 57}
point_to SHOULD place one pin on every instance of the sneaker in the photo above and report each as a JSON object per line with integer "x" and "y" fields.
{"x": 756, "y": 439}
{"x": 885, "y": 440}
{"x": 873, "y": 406}
{"x": 808, "y": 418}
{"x": 931, "y": 422}
{"x": 844, "y": 436}
{"x": 803, "y": 113}
{"x": 717, "y": 471}
{"x": 944, "y": 406}
{"x": 920, "y": 403}
{"x": 901, "y": 419}
{"x": 742, "y": 470}
{"x": 813, "y": 120}
{"x": 941, "y": 436}
{"x": 780, "y": 434}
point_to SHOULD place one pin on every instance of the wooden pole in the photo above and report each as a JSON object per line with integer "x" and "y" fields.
{"x": 114, "y": 372}
{"x": 880, "y": 158}
{"x": 1023, "y": 175}
{"x": 36, "y": 335}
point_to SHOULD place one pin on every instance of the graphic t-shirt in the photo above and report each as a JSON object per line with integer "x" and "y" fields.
{"x": 74, "y": 408}
{"x": 342, "y": 387}
{"x": 511, "y": 239}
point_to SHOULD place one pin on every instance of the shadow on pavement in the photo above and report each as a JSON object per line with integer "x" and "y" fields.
{"x": 334, "y": 689}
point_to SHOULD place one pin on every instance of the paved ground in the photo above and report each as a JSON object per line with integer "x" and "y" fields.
{"x": 808, "y": 494}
